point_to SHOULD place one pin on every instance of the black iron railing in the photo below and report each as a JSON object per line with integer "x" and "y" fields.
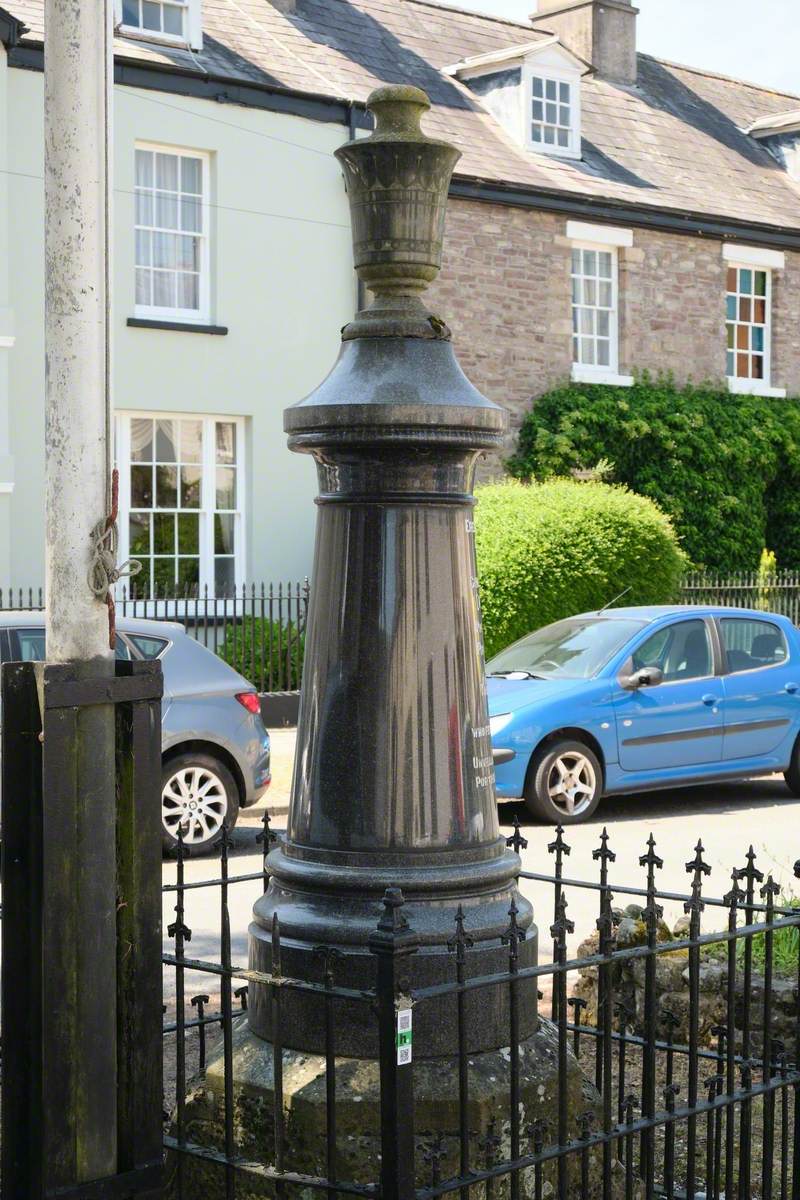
{"x": 777, "y": 591}
{"x": 258, "y": 628}
{"x": 676, "y": 1102}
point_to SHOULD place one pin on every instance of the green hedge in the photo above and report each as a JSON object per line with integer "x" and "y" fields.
{"x": 249, "y": 643}
{"x": 725, "y": 468}
{"x": 549, "y": 550}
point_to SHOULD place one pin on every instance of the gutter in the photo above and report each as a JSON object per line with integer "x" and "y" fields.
{"x": 12, "y": 30}
{"x": 204, "y": 86}
{"x": 352, "y": 115}
{"x": 619, "y": 212}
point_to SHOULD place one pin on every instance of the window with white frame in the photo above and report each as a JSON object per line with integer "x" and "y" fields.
{"x": 747, "y": 319}
{"x": 551, "y": 112}
{"x": 161, "y": 20}
{"x": 172, "y": 250}
{"x": 594, "y": 308}
{"x": 181, "y": 499}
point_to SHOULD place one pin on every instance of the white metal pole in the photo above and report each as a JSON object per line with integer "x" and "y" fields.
{"x": 78, "y": 77}
{"x": 77, "y": 95}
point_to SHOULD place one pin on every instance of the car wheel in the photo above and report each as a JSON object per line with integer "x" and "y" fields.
{"x": 792, "y": 776}
{"x": 565, "y": 782}
{"x": 198, "y": 796}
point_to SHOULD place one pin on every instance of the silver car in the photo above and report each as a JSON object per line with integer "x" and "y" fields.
{"x": 215, "y": 749}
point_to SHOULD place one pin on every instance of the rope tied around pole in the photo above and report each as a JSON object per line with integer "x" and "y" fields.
{"x": 103, "y": 569}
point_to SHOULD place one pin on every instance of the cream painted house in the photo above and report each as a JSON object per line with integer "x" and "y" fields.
{"x": 232, "y": 277}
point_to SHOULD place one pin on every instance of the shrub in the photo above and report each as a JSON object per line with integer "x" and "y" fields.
{"x": 250, "y": 642}
{"x": 767, "y": 569}
{"x": 725, "y": 468}
{"x": 549, "y": 550}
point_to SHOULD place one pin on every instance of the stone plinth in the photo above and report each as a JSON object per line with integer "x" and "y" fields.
{"x": 436, "y": 1113}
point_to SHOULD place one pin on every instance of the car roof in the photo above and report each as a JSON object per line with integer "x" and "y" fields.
{"x": 35, "y": 617}
{"x": 654, "y": 612}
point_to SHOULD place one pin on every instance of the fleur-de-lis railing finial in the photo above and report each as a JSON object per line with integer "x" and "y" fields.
{"x": 178, "y": 929}
{"x": 652, "y": 911}
{"x": 603, "y": 853}
{"x": 537, "y": 1132}
{"x": 735, "y": 896}
{"x": 605, "y": 924}
{"x": 433, "y": 1157}
{"x": 586, "y": 1123}
{"x": 562, "y": 924}
{"x": 750, "y": 873}
{"x": 516, "y": 841}
{"x": 651, "y": 859}
{"x": 559, "y": 847}
{"x": 698, "y": 867}
{"x": 513, "y": 934}
{"x": 461, "y": 941}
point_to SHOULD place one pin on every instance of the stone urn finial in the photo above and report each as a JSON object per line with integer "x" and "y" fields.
{"x": 397, "y": 184}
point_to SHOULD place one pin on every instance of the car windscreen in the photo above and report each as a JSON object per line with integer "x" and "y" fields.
{"x": 575, "y": 648}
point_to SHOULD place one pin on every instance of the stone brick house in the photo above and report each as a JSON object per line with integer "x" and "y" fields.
{"x": 611, "y": 212}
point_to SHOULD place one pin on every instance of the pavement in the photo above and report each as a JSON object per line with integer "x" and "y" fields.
{"x": 727, "y": 819}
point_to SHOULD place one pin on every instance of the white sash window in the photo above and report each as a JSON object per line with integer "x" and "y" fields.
{"x": 181, "y": 502}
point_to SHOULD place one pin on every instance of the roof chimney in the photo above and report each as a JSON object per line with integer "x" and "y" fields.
{"x": 603, "y": 32}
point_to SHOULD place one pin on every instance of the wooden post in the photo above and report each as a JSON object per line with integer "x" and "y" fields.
{"x": 49, "y": 1135}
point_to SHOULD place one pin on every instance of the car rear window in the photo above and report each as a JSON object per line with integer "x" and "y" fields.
{"x": 147, "y": 645}
{"x": 751, "y": 643}
{"x": 31, "y": 645}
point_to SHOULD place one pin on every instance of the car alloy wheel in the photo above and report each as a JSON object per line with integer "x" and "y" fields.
{"x": 194, "y": 802}
{"x": 571, "y": 783}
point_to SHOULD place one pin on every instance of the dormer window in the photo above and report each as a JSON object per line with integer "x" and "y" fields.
{"x": 780, "y": 133}
{"x": 533, "y": 91}
{"x": 551, "y": 112}
{"x": 175, "y": 22}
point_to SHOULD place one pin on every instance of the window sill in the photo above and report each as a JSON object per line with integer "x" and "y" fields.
{"x": 610, "y": 378}
{"x": 179, "y": 326}
{"x": 136, "y": 34}
{"x": 754, "y": 387}
{"x": 549, "y": 151}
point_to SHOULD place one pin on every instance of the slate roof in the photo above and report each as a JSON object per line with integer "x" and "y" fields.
{"x": 674, "y": 141}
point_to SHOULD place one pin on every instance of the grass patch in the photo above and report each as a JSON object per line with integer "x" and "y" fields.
{"x": 785, "y": 942}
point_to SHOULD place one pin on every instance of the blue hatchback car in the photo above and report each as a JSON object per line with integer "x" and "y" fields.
{"x": 632, "y": 699}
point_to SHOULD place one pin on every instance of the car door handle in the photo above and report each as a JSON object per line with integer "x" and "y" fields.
{"x": 710, "y": 700}
{"x": 791, "y": 688}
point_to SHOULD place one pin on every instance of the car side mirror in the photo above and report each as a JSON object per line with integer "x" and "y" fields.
{"x": 644, "y": 677}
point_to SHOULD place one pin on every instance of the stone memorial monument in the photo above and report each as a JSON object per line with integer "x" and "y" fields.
{"x": 393, "y": 783}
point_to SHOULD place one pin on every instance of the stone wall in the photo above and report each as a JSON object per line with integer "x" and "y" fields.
{"x": 786, "y": 326}
{"x": 505, "y": 290}
{"x": 672, "y": 988}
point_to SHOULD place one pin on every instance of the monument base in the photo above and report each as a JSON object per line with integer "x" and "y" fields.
{"x": 436, "y": 1118}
